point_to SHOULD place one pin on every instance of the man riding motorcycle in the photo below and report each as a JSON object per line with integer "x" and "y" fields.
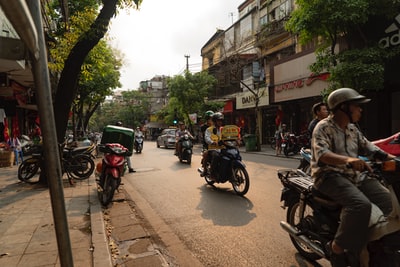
{"x": 212, "y": 136}
{"x": 178, "y": 134}
{"x": 336, "y": 145}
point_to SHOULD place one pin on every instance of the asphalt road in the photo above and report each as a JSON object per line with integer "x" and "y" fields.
{"x": 212, "y": 225}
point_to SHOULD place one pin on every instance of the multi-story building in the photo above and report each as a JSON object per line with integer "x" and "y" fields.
{"x": 264, "y": 78}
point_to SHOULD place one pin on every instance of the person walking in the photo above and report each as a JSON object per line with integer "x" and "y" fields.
{"x": 279, "y": 136}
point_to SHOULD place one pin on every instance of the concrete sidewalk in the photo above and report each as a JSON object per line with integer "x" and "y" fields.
{"x": 27, "y": 232}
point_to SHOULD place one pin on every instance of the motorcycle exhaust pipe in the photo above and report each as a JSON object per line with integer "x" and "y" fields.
{"x": 301, "y": 238}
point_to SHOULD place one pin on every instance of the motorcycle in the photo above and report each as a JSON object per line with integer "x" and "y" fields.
{"x": 110, "y": 170}
{"x": 77, "y": 163}
{"x": 290, "y": 145}
{"x": 312, "y": 219}
{"x": 390, "y": 145}
{"x": 186, "y": 151}
{"x": 138, "y": 145}
{"x": 229, "y": 168}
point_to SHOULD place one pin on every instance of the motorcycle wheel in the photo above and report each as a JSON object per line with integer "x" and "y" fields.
{"x": 292, "y": 217}
{"x": 28, "y": 169}
{"x": 108, "y": 189}
{"x": 189, "y": 159}
{"x": 240, "y": 180}
{"x": 208, "y": 177}
{"x": 80, "y": 167}
{"x": 305, "y": 166}
{"x": 286, "y": 151}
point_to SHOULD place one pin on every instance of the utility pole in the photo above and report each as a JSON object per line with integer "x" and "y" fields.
{"x": 187, "y": 62}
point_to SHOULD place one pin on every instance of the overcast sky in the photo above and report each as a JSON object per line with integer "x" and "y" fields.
{"x": 155, "y": 39}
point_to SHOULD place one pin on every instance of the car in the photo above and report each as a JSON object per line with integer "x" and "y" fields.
{"x": 166, "y": 138}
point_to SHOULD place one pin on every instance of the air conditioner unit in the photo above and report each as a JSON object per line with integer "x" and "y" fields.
{"x": 4, "y": 82}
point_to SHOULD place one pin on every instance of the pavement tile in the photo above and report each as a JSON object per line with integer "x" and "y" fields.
{"x": 129, "y": 232}
{"x": 148, "y": 261}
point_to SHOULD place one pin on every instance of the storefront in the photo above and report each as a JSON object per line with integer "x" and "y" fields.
{"x": 295, "y": 90}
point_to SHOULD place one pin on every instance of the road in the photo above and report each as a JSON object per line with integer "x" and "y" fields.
{"x": 214, "y": 224}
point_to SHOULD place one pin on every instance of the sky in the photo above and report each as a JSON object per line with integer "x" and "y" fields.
{"x": 155, "y": 39}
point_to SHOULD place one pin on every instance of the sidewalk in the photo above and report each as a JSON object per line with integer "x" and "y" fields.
{"x": 27, "y": 232}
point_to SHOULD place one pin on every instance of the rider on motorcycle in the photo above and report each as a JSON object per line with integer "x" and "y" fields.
{"x": 208, "y": 117}
{"x": 212, "y": 136}
{"x": 336, "y": 145}
{"x": 178, "y": 134}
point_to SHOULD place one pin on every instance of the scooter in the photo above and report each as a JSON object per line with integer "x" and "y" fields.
{"x": 110, "y": 170}
{"x": 290, "y": 145}
{"x": 138, "y": 143}
{"x": 186, "y": 151}
{"x": 312, "y": 219}
{"x": 228, "y": 168}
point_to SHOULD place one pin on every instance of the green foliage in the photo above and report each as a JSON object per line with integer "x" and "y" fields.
{"x": 131, "y": 110}
{"x": 188, "y": 94}
{"x": 359, "y": 63}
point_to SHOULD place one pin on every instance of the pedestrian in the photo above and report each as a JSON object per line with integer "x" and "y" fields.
{"x": 127, "y": 158}
{"x": 279, "y": 136}
{"x": 320, "y": 111}
{"x": 336, "y": 168}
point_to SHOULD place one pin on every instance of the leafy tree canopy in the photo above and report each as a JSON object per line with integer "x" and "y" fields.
{"x": 359, "y": 62}
{"x": 188, "y": 94}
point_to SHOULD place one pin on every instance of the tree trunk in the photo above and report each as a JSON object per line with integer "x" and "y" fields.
{"x": 67, "y": 85}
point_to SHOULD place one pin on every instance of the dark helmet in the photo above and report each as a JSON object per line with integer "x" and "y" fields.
{"x": 208, "y": 114}
{"x": 345, "y": 95}
{"x": 217, "y": 116}
{"x": 119, "y": 123}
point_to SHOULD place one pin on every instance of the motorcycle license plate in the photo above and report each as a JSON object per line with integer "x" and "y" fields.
{"x": 283, "y": 145}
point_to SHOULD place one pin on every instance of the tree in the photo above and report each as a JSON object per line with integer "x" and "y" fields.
{"x": 360, "y": 62}
{"x": 67, "y": 86}
{"x": 188, "y": 94}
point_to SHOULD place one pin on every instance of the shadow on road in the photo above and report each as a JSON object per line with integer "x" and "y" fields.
{"x": 221, "y": 205}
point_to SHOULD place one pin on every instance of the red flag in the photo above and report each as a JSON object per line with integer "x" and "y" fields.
{"x": 6, "y": 131}
{"x": 15, "y": 126}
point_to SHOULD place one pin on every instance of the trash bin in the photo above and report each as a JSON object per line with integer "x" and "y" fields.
{"x": 250, "y": 141}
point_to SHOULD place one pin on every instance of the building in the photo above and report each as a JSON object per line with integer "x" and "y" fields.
{"x": 264, "y": 79}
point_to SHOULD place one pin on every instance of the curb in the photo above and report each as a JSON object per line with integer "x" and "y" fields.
{"x": 101, "y": 252}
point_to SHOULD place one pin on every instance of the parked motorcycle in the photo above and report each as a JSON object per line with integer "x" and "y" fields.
{"x": 312, "y": 219}
{"x": 76, "y": 163}
{"x": 230, "y": 168}
{"x": 110, "y": 170}
{"x": 290, "y": 145}
{"x": 186, "y": 151}
{"x": 138, "y": 144}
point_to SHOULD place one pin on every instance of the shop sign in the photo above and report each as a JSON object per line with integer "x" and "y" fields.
{"x": 294, "y": 81}
{"x": 248, "y": 99}
{"x": 394, "y": 38}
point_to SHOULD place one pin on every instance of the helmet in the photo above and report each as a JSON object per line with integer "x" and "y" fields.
{"x": 218, "y": 116}
{"x": 119, "y": 123}
{"x": 208, "y": 114}
{"x": 345, "y": 95}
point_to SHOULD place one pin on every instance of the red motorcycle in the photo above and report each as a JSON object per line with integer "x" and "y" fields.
{"x": 390, "y": 144}
{"x": 110, "y": 170}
